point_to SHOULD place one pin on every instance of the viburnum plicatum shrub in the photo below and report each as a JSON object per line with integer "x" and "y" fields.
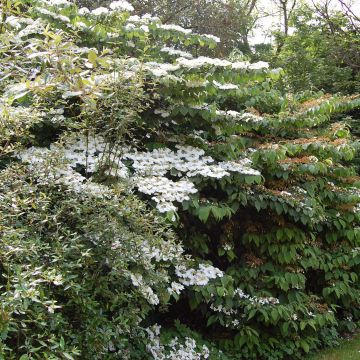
{"x": 114, "y": 129}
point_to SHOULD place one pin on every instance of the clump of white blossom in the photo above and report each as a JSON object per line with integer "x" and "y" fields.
{"x": 221, "y": 63}
{"x": 146, "y": 290}
{"x": 164, "y": 191}
{"x": 121, "y": 5}
{"x": 200, "y": 276}
{"x": 100, "y": 11}
{"x": 144, "y": 19}
{"x": 175, "y": 350}
{"x": 175, "y": 288}
{"x": 55, "y": 16}
{"x": 255, "y": 300}
{"x": 172, "y": 27}
{"x": 57, "y": 3}
{"x": 84, "y": 11}
{"x": 225, "y": 86}
{"x": 150, "y": 168}
{"x": 176, "y": 52}
{"x": 36, "y": 27}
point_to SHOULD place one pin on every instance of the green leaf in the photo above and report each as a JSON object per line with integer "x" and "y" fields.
{"x": 203, "y": 213}
{"x": 68, "y": 356}
{"x": 305, "y": 346}
{"x": 92, "y": 57}
{"x": 220, "y": 291}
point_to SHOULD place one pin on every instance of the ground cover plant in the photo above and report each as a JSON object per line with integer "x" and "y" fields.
{"x": 348, "y": 349}
{"x": 157, "y": 203}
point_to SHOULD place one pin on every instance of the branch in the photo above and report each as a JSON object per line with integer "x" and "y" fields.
{"x": 172, "y": 15}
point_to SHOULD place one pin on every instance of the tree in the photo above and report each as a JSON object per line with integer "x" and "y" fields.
{"x": 322, "y": 53}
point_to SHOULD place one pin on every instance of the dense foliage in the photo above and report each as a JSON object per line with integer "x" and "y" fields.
{"x": 322, "y": 53}
{"x": 155, "y": 204}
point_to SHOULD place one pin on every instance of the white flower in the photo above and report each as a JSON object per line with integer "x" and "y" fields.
{"x": 175, "y": 350}
{"x": 130, "y": 27}
{"x": 37, "y": 27}
{"x": 199, "y": 277}
{"x": 84, "y": 11}
{"x": 144, "y": 28}
{"x": 256, "y": 300}
{"x": 225, "y": 86}
{"x": 172, "y": 51}
{"x": 202, "y": 61}
{"x": 81, "y": 25}
{"x": 259, "y": 65}
{"x": 174, "y": 28}
{"x": 53, "y": 15}
{"x": 121, "y": 5}
{"x": 100, "y": 11}
{"x": 62, "y": 3}
{"x": 175, "y": 288}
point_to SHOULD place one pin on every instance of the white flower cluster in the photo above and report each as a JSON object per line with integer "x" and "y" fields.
{"x": 150, "y": 168}
{"x": 57, "y": 3}
{"x": 55, "y": 16}
{"x": 148, "y": 293}
{"x": 84, "y": 11}
{"x": 175, "y": 288}
{"x": 16, "y": 22}
{"x": 259, "y": 65}
{"x": 165, "y": 191}
{"x": 186, "y": 61}
{"x": 160, "y": 69}
{"x": 175, "y": 350}
{"x": 172, "y": 27}
{"x": 198, "y": 277}
{"x": 121, "y": 5}
{"x": 240, "y": 117}
{"x": 88, "y": 152}
{"x": 225, "y": 86}
{"x": 241, "y": 166}
{"x": 222, "y": 309}
{"x": 45, "y": 163}
{"x": 206, "y": 61}
{"x": 144, "y": 19}
{"x": 256, "y": 300}
{"x": 187, "y": 351}
{"x": 230, "y": 115}
{"x": 188, "y": 161}
{"x": 202, "y": 61}
{"x": 176, "y": 52}
{"x": 100, "y": 11}
{"x": 143, "y": 252}
{"x": 83, "y": 151}
{"x": 36, "y": 27}
{"x": 168, "y": 252}
{"x": 115, "y": 6}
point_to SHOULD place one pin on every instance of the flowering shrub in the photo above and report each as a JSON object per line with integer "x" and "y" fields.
{"x": 263, "y": 257}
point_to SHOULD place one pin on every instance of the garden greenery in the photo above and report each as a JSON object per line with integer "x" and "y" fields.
{"x": 160, "y": 204}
